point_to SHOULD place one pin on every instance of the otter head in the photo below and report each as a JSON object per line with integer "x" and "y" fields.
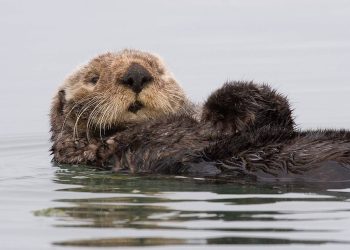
{"x": 115, "y": 89}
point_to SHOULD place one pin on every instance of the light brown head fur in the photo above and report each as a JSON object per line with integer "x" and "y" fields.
{"x": 98, "y": 97}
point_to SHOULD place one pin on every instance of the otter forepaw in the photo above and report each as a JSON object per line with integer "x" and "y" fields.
{"x": 238, "y": 106}
{"x": 232, "y": 107}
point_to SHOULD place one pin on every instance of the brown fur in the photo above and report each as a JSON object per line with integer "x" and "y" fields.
{"x": 274, "y": 153}
{"x": 246, "y": 130}
{"x": 238, "y": 106}
{"x": 182, "y": 146}
{"x": 94, "y": 101}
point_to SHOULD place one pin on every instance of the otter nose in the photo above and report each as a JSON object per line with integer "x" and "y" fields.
{"x": 136, "y": 77}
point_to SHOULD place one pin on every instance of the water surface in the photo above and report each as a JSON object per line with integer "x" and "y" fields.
{"x": 44, "y": 206}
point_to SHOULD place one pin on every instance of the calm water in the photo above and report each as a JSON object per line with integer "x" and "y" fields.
{"x": 300, "y": 47}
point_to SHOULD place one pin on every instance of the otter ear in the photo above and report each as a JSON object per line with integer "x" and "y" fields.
{"x": 57, "y": 109}
{"x": 59, "y": 102}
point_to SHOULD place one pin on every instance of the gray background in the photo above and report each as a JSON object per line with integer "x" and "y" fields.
{"x": 301, "y": 47}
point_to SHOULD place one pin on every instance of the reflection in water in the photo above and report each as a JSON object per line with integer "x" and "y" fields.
{"x": 162, "y": 241}
{"x": 154, "y": 211}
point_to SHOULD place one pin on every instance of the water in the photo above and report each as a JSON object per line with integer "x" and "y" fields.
{"x": 70, "y": 206}
{"x": 300, "y": 47}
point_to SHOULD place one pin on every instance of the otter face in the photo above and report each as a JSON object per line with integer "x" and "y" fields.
{"x": 115, "y": 89}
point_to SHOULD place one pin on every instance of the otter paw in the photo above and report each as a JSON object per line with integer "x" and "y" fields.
{"x": 232, "y": 107}
{"x": 238, "y": 106}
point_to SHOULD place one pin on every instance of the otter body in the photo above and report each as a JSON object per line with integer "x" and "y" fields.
{"x": 126, "y": 112}
{"x": 180, "y": 146}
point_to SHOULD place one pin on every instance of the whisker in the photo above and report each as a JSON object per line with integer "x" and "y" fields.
{"x": 75, "y": 128}
{"x": 97, "y": 103}
{"x": 105, "y": 111}
{"x": 69, "y": 112}
{"x": 94, "y": 114}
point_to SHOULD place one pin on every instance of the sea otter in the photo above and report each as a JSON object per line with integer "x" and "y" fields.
{"x": 125, "y": 111}
{"x": 115, "y": 95}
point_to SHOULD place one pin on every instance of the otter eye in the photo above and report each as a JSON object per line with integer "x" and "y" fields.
{"x": 94, "y": 80}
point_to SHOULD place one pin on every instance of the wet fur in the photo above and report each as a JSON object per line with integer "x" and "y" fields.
{"x": 93, "y": 102}
{"x": 182, "y": 146}
{"x": 237, "y": 106}
{"x": 246, "y": 131}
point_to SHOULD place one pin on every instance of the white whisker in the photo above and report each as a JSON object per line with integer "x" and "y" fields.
{"x": 87, "y": 106}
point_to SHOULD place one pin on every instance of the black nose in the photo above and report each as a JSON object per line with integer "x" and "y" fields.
{"x": 136, "y": 77}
